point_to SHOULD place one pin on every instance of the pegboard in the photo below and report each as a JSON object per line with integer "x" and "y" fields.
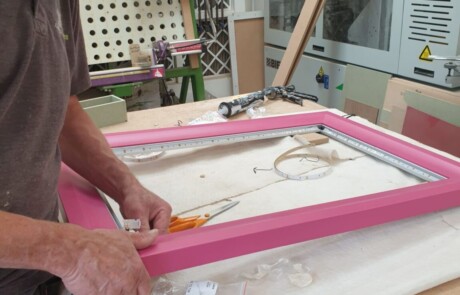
{"x": 111, "y": 26}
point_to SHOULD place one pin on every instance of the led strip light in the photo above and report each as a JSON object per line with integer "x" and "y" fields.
{"x": 206, "y": 141}
{"x": 380, "y": 154}
{"x": 398, "y": 162}
{"x": 310, "y": 174}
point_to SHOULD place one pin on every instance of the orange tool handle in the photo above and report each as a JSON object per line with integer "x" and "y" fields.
{"x": 175, "y": 220}
{"x": 186, "y": 225}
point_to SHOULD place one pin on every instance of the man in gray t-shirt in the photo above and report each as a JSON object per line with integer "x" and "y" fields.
{"x": 42, "y": 69}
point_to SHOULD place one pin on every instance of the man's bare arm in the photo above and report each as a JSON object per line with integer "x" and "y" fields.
{"x": 86, "y": 151}
{"x": 89, "y": 262}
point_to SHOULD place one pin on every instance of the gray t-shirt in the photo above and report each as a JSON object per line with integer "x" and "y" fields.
{"x": 42, "y": 63}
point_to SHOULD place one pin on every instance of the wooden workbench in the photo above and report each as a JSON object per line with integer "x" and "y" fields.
{"x": 184, "y": 113}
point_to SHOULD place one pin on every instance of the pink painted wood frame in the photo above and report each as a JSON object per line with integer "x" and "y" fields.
{"x": 207, "y": 244}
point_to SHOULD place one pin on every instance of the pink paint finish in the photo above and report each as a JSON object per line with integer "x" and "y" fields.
{"x": 82, "y": 202}
{"x": 217, "y": 242}
{"x": 432, "y": 131}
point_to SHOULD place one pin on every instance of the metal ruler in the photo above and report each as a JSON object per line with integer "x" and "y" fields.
{"x": 375, "y": 152}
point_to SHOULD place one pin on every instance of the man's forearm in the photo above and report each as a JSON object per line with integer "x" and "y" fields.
{"x": 85, "y": 150}
{"x": 34, "y": 244}
{"x": 89, "y": 262}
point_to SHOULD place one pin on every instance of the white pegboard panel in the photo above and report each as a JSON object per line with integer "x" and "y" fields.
{"x": 110, "y": 26}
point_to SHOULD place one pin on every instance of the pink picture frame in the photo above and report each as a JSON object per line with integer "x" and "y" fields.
{"x": 83, "y": 205}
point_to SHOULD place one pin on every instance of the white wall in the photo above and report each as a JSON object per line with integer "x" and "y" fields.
{"x": 219, "y": 86}
{"x": 249, "y": 5}
{"x": 258, "y": 5}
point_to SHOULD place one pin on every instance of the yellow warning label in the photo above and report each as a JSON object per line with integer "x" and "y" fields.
{"x": 425, "y": 55}
{"x": 321, "y": 72}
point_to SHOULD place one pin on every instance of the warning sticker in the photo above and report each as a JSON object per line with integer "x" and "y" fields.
{"x": 321, "y": 72}
{"x": 425, "y": 55}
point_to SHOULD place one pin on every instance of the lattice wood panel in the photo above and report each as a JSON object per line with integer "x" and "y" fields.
{"x": 216, "y": 60}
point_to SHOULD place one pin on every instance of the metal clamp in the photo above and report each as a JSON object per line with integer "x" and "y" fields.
{"x": 453, "y": 68}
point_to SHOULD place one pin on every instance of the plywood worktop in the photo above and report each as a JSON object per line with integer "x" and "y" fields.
{"x": 182, "y": 114}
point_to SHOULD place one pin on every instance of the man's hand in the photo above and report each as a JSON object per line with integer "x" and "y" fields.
{"x": 106, "y": 262}
{"x": 142, "y": 204}
{"x": 88, "y": 261}
{"x": 86, "y": 151}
